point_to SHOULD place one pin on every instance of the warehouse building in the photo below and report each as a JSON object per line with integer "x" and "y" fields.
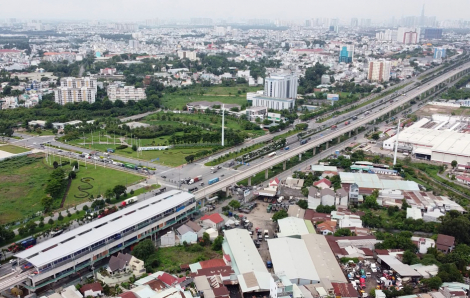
{"x": 246, "y": 261}
{"x": 292, "y": 227}
{"x": 305, "y": 260}
{"x": 437, "y": 140}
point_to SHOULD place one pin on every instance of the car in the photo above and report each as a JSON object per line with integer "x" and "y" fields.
{"x": 164, "y": 177}
{"x": 12, "y": 261}
{"x": 202, "y": 184}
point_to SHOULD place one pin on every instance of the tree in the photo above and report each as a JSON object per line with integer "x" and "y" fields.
{"x": 72, "y": 175}
{"x": 189, "y": 158}
{"x": 50, "y": 221}
{"x": 206, "y": 239}
{"x": 55, "y": 164}
{"x": 119, "y": 190}
{"x": 60, "y": 216}
{"x": 449, "y": 272}
{"x": 453, "y": 164}
{"x": 434, "y": 283}
{"x": 410, "y": 258}
{"x": 134, "y": 147}
{"x": 74, "y": 164}
{"x": 109, "y": 194}
{"x": 303, "y": 204}
{"x": 375, "y": 136}
{"x": 217, "y": 244}
{"x": 144, "y": 250}
{"x": 234, "y": 204}
{"x": 343, "y": 232}
{"x": 46, "y": 203}
{"x": 280, "y": 215}
{"x": 6, "y": 235}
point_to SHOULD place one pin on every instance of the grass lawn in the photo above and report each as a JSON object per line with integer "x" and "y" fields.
{"x": 171, "y": 258}
{"x": 177, "y": 119}
{"x": 177, "y": 101}
{"x": 13, "y": 149}
{"x": 93, "y": 181}
{"x": 219, "y": 90}
{"x": 22, "y": 183}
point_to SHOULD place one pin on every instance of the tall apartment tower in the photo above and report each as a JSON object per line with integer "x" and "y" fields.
{"x": 281, "y": 86}
{"x": 74, "y": 90}
{"x": 346, "y": 53}
{"x": 379, "y": 71}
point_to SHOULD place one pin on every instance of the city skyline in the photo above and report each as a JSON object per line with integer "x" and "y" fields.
{"x": 182, "y": 9}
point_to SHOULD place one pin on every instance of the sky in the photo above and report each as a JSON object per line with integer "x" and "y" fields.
{"x": 135, "y": 10}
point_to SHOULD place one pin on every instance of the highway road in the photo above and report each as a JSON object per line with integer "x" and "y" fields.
{"x": 268, "y": 163}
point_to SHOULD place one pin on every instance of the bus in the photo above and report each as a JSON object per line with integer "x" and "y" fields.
{"x": 212, "y": 181}
{"x": 271, "y": 154}
{"x": 28, "y": 242}
{"x": 130, "y": 166}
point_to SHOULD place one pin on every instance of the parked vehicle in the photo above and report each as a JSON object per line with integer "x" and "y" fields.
{"x": 107, "y": 211}
{"x": 266, "y": 234}
{"x": 56, "y": 233}
{"x": 269, "y": 264}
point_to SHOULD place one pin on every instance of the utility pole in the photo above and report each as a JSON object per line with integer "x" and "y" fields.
{"x": 223, "y": 123}
{"x": 396, "y": 143}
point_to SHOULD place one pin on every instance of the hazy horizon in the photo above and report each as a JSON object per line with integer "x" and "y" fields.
{"x": 299, "y": 10}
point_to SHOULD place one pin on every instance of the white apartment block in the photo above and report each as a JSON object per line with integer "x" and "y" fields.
{"x": 281, "y": 86}
{"x": 125, "y": 93}
{"x": 74, "y": 90}
{"x": 274, "y": 103}
{"x": 187, "y": 55}
{"x": 379, "y": 71}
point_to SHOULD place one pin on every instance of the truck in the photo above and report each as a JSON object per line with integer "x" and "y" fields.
{"x": 214, "y": 170}
{"x": 271, "y": 154}
{"x": 107, "y": 211}
{"x": 195, "y": 179}
{"x": 129, "y": 201}
{"x": 212, "y": 181}
{"x": 334, "y": 127}
{"x": 266, "y": 234}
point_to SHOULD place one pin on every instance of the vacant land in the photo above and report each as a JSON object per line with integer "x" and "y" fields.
{"x": 429, "y": 110}
{"x": 171, "y": 258}
{"x": 13, "y": 149}
{"x": 22, "y": 183}
{"x": 93, "y": 182}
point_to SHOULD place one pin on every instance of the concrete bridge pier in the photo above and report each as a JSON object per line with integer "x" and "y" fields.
{"x": 284, "y": 164}
{"x": 249, "y": 181}
{"x": 266, "y": 174}
{"x": 300, "y": 157}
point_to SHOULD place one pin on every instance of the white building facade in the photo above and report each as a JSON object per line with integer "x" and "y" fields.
{"x": 125, "y": 93}
{"x": 74, "y": 90}
{"x": 281, "y": 86}
{"x": 379, "y": 71}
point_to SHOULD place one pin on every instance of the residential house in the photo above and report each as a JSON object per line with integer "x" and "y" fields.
{"x": 328, "y": 197}
{"x": 294, "y": 183}
{"x": 275, "y": 182}
{"x": 169, "y": 239}
{"x": 94, "y": 289}
{"x": 463, "y": 179}
{"x": 125, "y": 263}
{"x": 445, "y": 243}
{"x": 314, "y": 199}
{"x": 341, "y": 197}
{"x": 214, "y": 221}
{"x": 354, "y": 197}
{"x": 186, "y": 234}
{"x": 423, "y": 244}
{"x": 327, "y": 227}
{"x": 322, "y": 184}
{"x": 196, "y": 228}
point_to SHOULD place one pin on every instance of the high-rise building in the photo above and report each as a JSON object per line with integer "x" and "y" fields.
{"x": 408, "y": 35}
{"x": 187, "y": 55}
{"x": 354, "y": 22}
{"x": 134, "y": 44}
{"x": 74, "y": 90}
{"x": 346, "y": 53}
{"x": 387, "y": 35}
{"x": 379, "y": 71}
{"x": 125, "y": 93}
{"x": 439, "y": 53}
{"x": 281, "y": 86}
{"x": 308, "y": 23}
{"x": 432, "y": 33}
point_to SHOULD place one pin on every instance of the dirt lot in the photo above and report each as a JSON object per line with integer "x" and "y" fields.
{"x": 429, "y": 110}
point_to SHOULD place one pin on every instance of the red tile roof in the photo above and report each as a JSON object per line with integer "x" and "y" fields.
{"x": 156, "y": 285}
{"x": 445, "y": 240}
{"x": 324, "y": 180}
{"x": 214, "y": 217}
{"x": 227, "y": 258}
{"x": 9, "y": 51}
{"x": 129, "y": 294}
{"x": 223, "y": 271}
{"x": 95, "y": 287}
{"x": 212, "y": 263}
{"x": 168, "y": 279}
{"x": 344, "y": 290}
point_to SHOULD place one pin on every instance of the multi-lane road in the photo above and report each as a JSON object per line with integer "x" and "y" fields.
{"x": 340, "y": 131}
